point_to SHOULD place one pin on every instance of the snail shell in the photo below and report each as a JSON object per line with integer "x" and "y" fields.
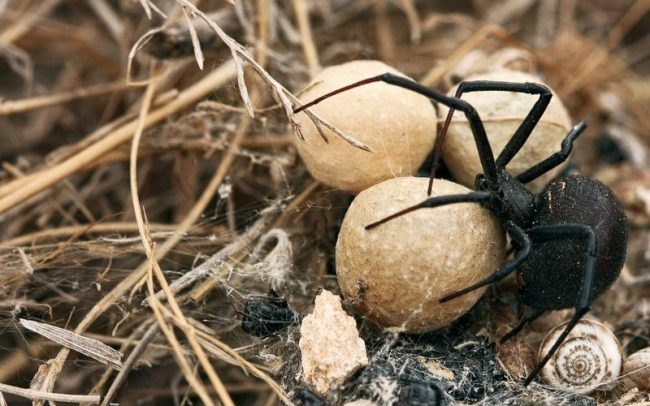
{"x": 588, "y": 359}
{"x": 637, "y": 368}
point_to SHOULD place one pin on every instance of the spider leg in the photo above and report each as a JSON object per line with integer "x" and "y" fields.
{"x": 552, "y": 232}
{"x": 525, "y": 128}
{"x": 554, "y": 160}
{"x": 504, "y": 270}
{"x": 570, "y": 325}
{"x": 480, "y": 137}
{"x": 472, "y": 197}
{"x": 525, "y": 321}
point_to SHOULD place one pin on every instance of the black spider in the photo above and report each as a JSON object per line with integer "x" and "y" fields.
{"x": 569, "y": 241}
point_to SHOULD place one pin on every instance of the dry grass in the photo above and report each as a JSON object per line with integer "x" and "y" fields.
{"x": 147, "y": 157}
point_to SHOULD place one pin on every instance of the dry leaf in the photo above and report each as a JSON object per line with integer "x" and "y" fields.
{"x": 90, "y": 347}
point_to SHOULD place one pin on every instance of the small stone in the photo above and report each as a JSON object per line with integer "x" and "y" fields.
{"x": 330, "y": 344}
{"x": 637, "y": 368}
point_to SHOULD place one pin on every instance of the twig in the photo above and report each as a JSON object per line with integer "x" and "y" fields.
{"x": 245, "y": 363}
{"x": 81, "y": 229}
{"x": 21, "y": 106}
{"x": 295, "y": 204}
{"x": 435, "y": 74}
{"x": 149, "y": 244}
{"x": 110, "y": 19}
{"x": 34, "y": 183}
{"x": 148, "y": 247}
{"x": 411, "y": 12}
{"x": 24, "y": 24}
{"x": 157, "y": 308}
{"x": 52, "y": 397}
{"x": 12, "y": 364}
{"x": 217, "y": 78}
{"x": 599, "y": 55}
{"x": 130, "y": 361}
{"x": 383, "y": 32}
{"x": 196, "y": 44}
{"x": 308, "y": 45}
{"x": 211, "y": 265}
{"x": 239, "y": 55}
{"x": 155, "y": 270}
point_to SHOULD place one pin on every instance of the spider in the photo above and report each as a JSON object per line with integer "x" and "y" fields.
{"x": 569, "y": 241}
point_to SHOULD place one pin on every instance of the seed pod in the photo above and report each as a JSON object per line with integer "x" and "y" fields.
{"x": 589, "y": 358}
{"x": 502, "y": 113}
{"x": 399, "y": 125}
{"x": 637, "y": 368}
{"x": 395, "y": 273}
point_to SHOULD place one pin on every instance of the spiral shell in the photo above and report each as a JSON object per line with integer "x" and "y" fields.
{"x": 588, "y": 359}
{"x": 637, "y": 368}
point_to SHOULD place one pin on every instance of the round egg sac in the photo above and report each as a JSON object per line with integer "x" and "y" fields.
{"x": 394, "y": 274}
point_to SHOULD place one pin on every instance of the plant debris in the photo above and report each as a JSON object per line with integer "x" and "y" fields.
{"x": 92, "y": 348}
{"x": 150, "y": 190}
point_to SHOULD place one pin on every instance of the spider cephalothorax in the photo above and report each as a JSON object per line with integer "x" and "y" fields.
{"x": 569, "y": 241}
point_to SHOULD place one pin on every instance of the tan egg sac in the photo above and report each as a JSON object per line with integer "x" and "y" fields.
{"x": 502, "y": 113}
{"x": 399, "y": 125}
{"x": 395, "y": 273}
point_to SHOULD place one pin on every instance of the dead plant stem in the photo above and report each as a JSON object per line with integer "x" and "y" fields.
{"x": 48, "y": 177}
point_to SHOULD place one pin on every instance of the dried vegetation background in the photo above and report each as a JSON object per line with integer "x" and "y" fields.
{"x": 102, "y": 99}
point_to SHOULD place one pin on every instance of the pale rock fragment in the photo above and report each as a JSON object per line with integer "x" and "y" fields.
{"x": 330, "y": 344}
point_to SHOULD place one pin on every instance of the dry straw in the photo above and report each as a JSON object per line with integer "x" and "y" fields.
{"x": 74, "y": 257}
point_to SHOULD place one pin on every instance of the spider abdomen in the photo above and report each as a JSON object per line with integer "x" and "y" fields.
{"x": 553, "y": 274}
